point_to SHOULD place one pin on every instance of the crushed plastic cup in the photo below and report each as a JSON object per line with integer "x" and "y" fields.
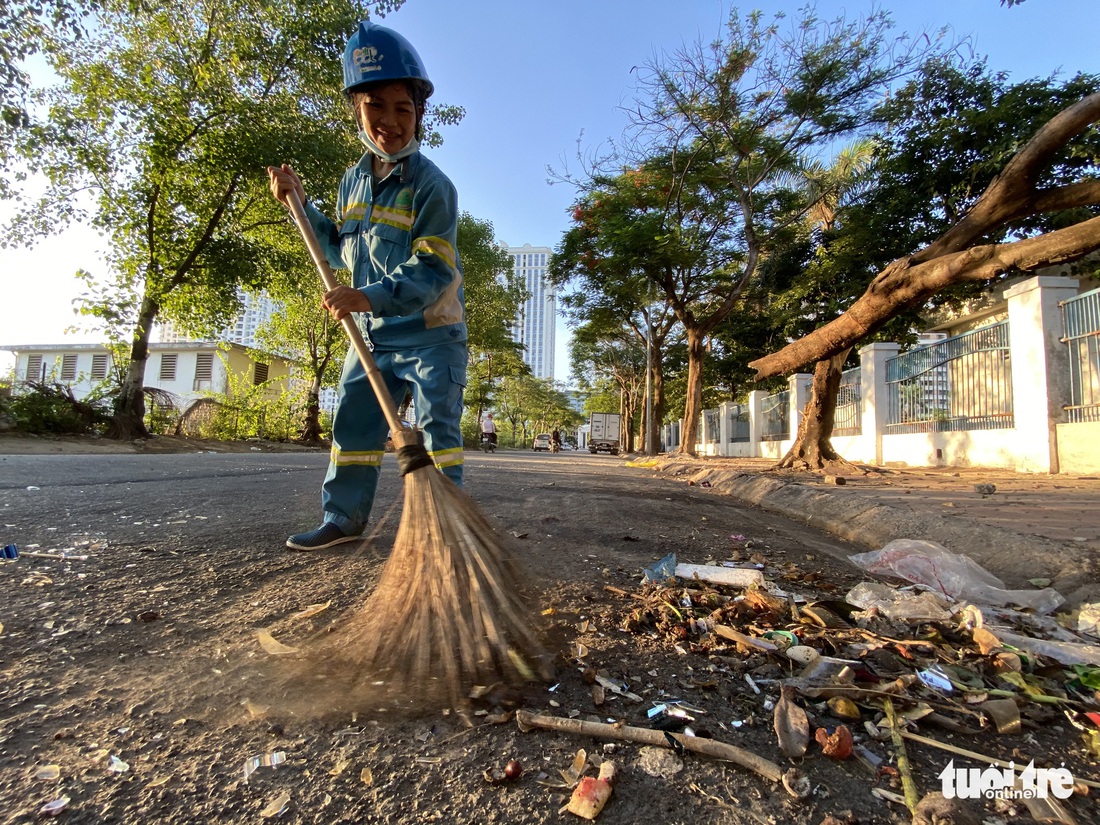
{"x": 267, "y": 760}
{"x": 48, "y": 773}
{"x": 277, "y": 806}
{"x": 55, "y": 807}
{"x": 116, "y": 765}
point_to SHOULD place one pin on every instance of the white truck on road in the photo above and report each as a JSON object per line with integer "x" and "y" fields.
{"x": 603, "y": 433}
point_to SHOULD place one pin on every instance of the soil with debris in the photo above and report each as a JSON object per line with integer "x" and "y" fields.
{"x": 135, "y": 688}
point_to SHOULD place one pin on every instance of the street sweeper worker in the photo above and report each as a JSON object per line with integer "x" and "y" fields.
{"x": 395, "y": 230}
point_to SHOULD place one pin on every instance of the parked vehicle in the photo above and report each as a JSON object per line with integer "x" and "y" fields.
{"x": 541, "y": 443}
{"x": 603, "y": 433}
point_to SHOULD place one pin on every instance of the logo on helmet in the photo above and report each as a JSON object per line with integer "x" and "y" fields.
{"x": 367, "y": 59}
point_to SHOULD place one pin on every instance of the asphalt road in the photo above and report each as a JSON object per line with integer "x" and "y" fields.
{"x": 571, "y": 505}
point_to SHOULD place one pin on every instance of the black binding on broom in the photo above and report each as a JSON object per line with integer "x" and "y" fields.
{"x": 413, "y": 457}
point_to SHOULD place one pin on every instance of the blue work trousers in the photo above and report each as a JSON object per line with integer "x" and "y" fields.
{"x": 436, "y": 377}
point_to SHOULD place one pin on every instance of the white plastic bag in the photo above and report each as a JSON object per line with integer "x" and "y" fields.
{"x": 904, "y": 605}
{"x": 954, "y": 575}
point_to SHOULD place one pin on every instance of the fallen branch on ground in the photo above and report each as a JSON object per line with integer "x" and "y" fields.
{"x": 626, "y": 733}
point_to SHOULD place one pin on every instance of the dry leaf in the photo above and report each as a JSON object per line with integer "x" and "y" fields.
{"x": 987, "y": 643}
{"x": 312, "y": 610}
{"x": 792, "y": 728}
{"x": 270, "y": 645}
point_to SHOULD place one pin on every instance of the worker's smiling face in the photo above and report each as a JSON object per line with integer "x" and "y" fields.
{"x": 388, "y": 115}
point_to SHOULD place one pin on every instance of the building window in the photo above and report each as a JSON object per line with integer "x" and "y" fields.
{"x": 204, "y": 370}
{"x": 34, "y": 368}
{"x": 99, "y": 367}
{"x": 168, "y": 366}
{"x": 68, "y": 367}
{"x": 259, "y": 374}
{"x": 204, "y": 366}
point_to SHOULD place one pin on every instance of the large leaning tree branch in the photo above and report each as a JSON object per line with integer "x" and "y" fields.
{"x": 903, "y": 285}
{"x": 1012, "y": 195}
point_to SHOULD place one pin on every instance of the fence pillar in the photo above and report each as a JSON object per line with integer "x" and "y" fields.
{"x": 1040, "y": 380}
{"x": 724, "y": 428}
{"x": 756, "y": 421}
{"x": 874, "y": 392}
{"x": 800, "y": 385}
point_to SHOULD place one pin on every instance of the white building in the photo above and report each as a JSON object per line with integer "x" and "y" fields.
{"x": 185, "y": 369}
{"x": 256, "y": 310}
{"x": 534, "y": 328}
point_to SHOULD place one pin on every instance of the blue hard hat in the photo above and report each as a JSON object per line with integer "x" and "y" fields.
{"x": 377, "y": 53}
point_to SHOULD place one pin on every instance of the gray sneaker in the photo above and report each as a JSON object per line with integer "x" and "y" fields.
{"x": 327, "y": 535}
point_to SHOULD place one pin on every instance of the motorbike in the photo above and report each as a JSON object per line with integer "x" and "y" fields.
{"x": 488, "y": 443}
{"x": 555, "y": 446}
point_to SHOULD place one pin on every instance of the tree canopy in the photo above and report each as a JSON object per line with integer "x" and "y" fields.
{"x": 158, "y": 135}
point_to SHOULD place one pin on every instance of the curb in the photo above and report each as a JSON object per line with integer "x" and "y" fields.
{"x": 1010, "y": 556}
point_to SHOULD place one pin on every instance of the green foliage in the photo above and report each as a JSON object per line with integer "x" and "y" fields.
{"x": 949, "y": 132}
{"x": 246, "y": 410}
{"x": 494, "y": 291}
{"x": 48, "y": 407}
{"x": 165, "y": 119}
{"x": 717, "y": 187}
{"x": 305, "y": 334}
{"x": 494, "y": 296}
{"x": 525, "y": 406}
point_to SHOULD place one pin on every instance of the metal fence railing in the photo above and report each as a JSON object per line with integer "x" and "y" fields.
{"x": 1081, "y": 321}
{"x": 712, "y": 422}
{"x": 775, "y": 417}
{"x": 848, "y": 419}
{"x": 961, "y": 383}
{"x": 739, "y": 428}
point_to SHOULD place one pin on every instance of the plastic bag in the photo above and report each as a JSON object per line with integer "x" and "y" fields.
{"x": 899, "y": 604}
{"x": 954, "y": 575}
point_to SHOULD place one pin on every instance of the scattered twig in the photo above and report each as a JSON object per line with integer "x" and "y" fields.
{"x": 908, "y": 786}
{"x": 618, "y": 591}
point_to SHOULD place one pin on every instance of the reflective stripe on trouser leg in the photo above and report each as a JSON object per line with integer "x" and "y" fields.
{"x": 437, "y": 376}
{"x": 358, "y": 442}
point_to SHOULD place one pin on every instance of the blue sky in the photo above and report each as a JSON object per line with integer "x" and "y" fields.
{"x": 534, "y": 77}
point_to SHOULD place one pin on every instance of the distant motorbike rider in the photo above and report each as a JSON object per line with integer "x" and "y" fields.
{"x": 555, "y": 441}
{"x": 489, "y": 429}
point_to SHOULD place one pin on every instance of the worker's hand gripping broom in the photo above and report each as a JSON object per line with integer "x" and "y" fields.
{"x": 447, "y": 612}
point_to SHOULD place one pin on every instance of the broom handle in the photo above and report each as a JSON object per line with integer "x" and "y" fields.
{"x": 385, "y": 401}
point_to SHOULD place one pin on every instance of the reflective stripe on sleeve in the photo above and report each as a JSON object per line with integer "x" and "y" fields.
{"x": 435, "y": 246}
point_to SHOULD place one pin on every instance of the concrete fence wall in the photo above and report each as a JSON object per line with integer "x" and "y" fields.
{"x": 1039, "y": 440}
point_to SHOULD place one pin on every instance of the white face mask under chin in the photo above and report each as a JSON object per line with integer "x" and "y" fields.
{"x": 409, "y": 148}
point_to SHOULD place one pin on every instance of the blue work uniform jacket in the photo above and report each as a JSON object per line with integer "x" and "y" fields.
{"x": 397, "y": 236}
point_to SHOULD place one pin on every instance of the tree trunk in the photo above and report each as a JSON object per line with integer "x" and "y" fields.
{"x": 652, "y": 441}
{"x": 813, "y": 448}
{"x": 694, "y": 404}
{"x": 311, "y": 424}
{"x": 129, "y": 416}
{"x": 626, "y": 422}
